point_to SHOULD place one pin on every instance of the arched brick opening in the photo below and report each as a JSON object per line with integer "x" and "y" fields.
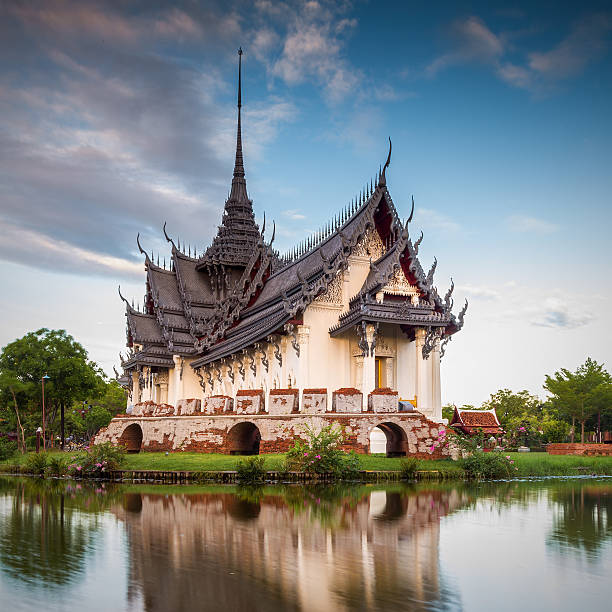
{"x": 243, "y": 439}
{"x": 397, "y": 442}
{"x": 131, "y": 438}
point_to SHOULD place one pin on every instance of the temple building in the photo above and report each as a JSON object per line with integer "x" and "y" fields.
{"x": 238, "y": 347}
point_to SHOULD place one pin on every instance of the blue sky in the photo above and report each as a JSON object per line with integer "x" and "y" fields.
{"x": 115, "y": 118}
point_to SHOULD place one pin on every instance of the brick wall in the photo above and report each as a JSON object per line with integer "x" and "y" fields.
{"x": 579, "y": 449}
{"x": 211, "y": 433}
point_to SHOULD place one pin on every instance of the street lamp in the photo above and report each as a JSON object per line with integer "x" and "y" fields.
{"x": 45, "y": 377}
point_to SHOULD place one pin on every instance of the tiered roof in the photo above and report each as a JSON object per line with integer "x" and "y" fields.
{"x": 474, "y": 421}
{"x": 241, "y": 292}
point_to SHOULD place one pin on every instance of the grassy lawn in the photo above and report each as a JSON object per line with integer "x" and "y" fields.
{"x": 529, "y": 464}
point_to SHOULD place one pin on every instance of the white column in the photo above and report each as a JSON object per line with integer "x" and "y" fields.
{"x": 303, "y": 336}
{"x": 369, "y": 366}
{"x": 359, "y": 373}
{"x": 178, "y": 379}
{"x": 422, "y": 386}
{"x": 135, "y": 388}
{"x": 436, "y": 394}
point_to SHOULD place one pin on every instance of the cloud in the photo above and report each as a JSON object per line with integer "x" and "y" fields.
{"x": 587, "y": 41}
{"x": 482, "y": 292}
{"x": 36, "y": 249}
{"x": 111, "y": 134}
{"x": 436, "y": 221}
{"x": 472, "y": 41}
{"x": 557, "y": 313}
{"x": 294, "y": 214}
{"x": 307, "y": 46}
{"x": 524, "y": 223}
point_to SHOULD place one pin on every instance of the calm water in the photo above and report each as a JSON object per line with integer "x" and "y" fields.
{"x": 497, "y": 546}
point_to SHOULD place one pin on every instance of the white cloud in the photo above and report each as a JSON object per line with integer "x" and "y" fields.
{"x": 587, "y": 40}
{"x": 473, "y": 42}
{"x": 434, "y": 220}
{"x": 482, "y": 292}
{"x": 524, "y": 223}
{"x": 559, "y": 314}
{"x": 294, "y": 214}
{"x": 307, "y": 46}
{"x": 34, "y": 248}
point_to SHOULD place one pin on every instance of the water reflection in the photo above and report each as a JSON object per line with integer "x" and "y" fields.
{"x": 42, "y": 538}
{"x": 291, "y": 548}
{"x": 582, "y": 518}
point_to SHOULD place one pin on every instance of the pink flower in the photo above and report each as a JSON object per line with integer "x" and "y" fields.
{"x": 98, "y": 465}
{"x": 442, "y": 433}
{"x": 433, "y": 446}
{"x": 508, "y": 457}
{"x": 305, "y": 454}
{"x": 78, "y": 467}
{"x": 318, "y": 456}
{"x": 511, "y": 461}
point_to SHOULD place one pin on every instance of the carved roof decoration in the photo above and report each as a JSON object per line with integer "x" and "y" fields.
{"x": 241, "y": 291}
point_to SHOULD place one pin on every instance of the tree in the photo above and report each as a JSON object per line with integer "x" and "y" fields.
{"x": 72, "y": 377}
{"x": 579, "y": 395}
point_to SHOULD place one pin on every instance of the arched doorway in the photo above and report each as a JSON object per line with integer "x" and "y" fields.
{"x": 131, "y": 438}
{"x": 243, "y": 439}
{"x": 396, "y": 442}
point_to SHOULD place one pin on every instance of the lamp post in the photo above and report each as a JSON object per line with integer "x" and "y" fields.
{"x": 45, "y": 377}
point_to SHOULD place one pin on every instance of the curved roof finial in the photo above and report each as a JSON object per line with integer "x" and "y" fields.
{"x": 273, "y": 233}
{"x": 168, "y": 239}
{"x": 411, "y": 212}
{"x": 123, "y": 298}
{"x": 263, "y": 226}
{"x": 383, "y": 179}
{"x": 141, "y": 249}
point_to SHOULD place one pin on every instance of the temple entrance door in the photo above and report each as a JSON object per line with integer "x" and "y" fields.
{"x": 381, "y": 372}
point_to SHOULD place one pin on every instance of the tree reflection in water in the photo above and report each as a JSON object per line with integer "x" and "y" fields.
{"x": 289, "y": 547}
{"x": 582, "y": 519}
{"x": 44, "y": 534}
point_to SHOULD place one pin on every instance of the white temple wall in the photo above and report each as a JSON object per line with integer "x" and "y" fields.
{"x": 406, "y": 366}
{"x": 329, "y": 364}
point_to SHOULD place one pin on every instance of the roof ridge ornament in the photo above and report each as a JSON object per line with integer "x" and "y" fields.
{"x": 147, "y": 258}
{"x": 382, "y": 182}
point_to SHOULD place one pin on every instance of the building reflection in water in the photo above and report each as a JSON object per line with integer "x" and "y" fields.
{"x": 304, "y": 549}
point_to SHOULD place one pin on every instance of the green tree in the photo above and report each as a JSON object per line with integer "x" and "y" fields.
{"x": 579, "y": 395}
{"x": 72, "y": 377}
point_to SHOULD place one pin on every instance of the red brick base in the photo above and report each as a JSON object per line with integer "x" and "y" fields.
{"x": 411, "y": 433}
{"x": 579, "y": 449}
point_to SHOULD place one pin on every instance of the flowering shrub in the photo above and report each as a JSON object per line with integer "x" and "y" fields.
{"x": 321, "y": 453}
{"x": 488, "y": 465}
{"x": 99, "y": 460}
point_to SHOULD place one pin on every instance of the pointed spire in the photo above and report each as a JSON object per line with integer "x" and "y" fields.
{"x": 239, "y": 164}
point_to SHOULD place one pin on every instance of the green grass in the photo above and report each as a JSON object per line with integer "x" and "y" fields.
{"x": 529, "y": 464}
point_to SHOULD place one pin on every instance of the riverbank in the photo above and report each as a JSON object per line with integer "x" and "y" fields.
{"x": 204, "y": 466}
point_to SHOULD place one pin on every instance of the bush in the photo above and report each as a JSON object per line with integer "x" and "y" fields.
{"x": 491, "y": 465}
{"x": 251, "y": 470}
{"x": 57, "y": 465}
{"x": 7, "y": 448}
{"x": 408, "y": 468}
{"x": 321, "y": 454}
{"x": 36, "y": 463}
{"x": 98, "y": 461}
